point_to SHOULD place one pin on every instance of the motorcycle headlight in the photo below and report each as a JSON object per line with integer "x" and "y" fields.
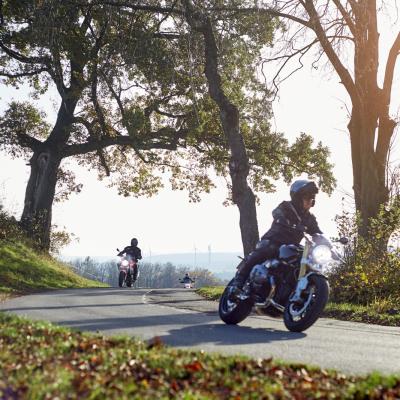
{"x": 322, "y": 254}
{"x": 124, "y": 263}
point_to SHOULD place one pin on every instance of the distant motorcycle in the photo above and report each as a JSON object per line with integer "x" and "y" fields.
{"x": 292, "y": 285}
{"x": 188, "y": 283}
{"x": 128, "y": 270}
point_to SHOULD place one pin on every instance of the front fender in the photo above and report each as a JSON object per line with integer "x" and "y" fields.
{"x": 302, "y": 284}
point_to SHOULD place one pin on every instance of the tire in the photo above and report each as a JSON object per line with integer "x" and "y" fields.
{"x": 121, "y": 279}
{"x": 233, "y": 313}
{"x": 318, "y": 297}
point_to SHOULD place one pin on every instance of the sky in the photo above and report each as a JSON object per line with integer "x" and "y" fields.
{"x": 310, "y": 102}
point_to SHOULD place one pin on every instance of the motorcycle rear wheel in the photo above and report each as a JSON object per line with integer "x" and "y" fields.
{"x": 233, "y": 313}
{"x": 298, "y": 318}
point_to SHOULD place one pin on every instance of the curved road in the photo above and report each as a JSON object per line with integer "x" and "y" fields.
{"x": 182, "y": 318}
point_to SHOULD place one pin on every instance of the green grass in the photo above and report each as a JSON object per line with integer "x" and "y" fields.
{"x": 377, "y": 313}
{"x": 23, "y": 270}
{"x": 40, "y": 360}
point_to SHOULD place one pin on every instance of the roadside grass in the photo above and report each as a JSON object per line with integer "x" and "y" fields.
{"x": 379, "y": 312}
{"x": 23, "y": 270}
{"x": 43, "y": 361}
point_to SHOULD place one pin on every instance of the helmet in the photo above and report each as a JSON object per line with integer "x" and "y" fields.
{"x": 134, "y": 242}
{"x": 302, "y": 187}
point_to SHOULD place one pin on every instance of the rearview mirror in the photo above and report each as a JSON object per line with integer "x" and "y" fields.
{"x": 344, "y": 240}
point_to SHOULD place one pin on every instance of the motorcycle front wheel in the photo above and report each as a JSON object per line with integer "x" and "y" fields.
{"x": 121, "y": 278}
{"x": 231, "y": 312}
{"x": 299, "y": 317}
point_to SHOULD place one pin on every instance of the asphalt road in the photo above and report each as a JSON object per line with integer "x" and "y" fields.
{"x": 180, "y": 317}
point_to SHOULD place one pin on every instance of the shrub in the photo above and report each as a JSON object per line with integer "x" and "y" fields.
{"x": 369, "y": 273}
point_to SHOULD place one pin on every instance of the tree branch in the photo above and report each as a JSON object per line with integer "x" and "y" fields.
{"x": 263, "y": 11}
{"x": 343, "y": 73}
{"x": 154, "y": 142}
{"x": 21, "y": 74}
{"x": 21, "y": 58}
{"x": 389, "y": 70}
{"x": 346, "y": 17}
{"x": 26, "y": 140}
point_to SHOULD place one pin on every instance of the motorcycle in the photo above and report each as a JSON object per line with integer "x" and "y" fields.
{"x": 128, "y": 270}
{"x": 293, "y": 286}
{"x": 187, "y": 284}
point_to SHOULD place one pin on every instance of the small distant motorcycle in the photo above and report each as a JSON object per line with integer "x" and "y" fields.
{"x": 292, "y": 286}
{"x": 128, "y": 270}
{"x": 187, "y": 283}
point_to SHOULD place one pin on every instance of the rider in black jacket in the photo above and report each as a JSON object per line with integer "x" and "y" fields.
{"x": 291, "y": 219}
{"x": 134, "y": 252}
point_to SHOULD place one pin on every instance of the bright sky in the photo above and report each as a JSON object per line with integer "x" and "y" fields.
{"x": 168, "y": 223}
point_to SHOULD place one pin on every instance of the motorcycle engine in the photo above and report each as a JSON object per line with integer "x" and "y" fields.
{"x": 259, "y": 283}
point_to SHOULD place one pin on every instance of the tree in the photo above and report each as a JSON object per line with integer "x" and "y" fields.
{"x": 121, "y": 87}
{"x": 259, "y": 30}
{"x": 352, "y": 26}
{"x": 134, "y": 98}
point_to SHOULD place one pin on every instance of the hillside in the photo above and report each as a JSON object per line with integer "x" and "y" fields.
{"x": 22, "y": 270}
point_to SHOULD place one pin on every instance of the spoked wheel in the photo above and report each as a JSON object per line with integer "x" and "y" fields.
{"x": 121, "y": 278}
{"x": 300, "y": 316}
{"x": 233, "y": 312}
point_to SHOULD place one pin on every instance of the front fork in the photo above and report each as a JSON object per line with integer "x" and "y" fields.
{"x": 302, "y": 281}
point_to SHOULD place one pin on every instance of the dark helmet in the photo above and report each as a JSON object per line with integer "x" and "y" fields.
{"x": 301, "y": 188}
{"x": 186, "y": 274}
{"x": 134, "y": 242}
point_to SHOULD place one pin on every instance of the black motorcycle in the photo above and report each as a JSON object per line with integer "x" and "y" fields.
{"x": 292, "y": 285}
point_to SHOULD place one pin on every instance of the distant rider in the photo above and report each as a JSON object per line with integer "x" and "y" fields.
{"x": 291, "y": 219}
{"x": 187, "y": 279}
{"x": 135, "y": 253}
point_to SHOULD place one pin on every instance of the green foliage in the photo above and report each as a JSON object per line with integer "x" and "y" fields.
{"x": 59, "y": 238}
{"x": 211, "y": 293}
{"x": 19, "y": 122}
{"x": 140, "y": 74}
{"x": 9, "y": 227}
{"x": 370, "y": 273}
{"x": 24, "y": 270}
{"x": 41, "y": 360}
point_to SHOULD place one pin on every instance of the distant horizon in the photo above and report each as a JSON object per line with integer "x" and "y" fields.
{"x": 238, "y": 253}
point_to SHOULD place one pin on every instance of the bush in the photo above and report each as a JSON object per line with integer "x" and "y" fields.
{"x": 9, "y": 227}
{"x": 370, "y": 274}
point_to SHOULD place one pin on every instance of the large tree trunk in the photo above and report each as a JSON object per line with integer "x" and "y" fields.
{"x": 368, "y": 180}
{"x": 40, "y": 191}
{"x": 39, "y": 196}
{"x": 242, "y": 195}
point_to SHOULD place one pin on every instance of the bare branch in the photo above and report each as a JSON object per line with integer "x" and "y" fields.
{"x": 262, "y": 11}
{"x": 389, "y": 71}
{"x": 346, "y": 17}
{"x": 341, "y": 70}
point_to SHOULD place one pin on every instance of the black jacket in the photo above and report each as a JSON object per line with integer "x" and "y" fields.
{"x": 289, "y": 224}
{"x": 134, "y": 252}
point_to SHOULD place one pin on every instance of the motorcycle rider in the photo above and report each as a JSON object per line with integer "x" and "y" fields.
{"x": 291, "y": 219}
{"x": 187, "y": 279}
{"x": 135, "y": 253}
